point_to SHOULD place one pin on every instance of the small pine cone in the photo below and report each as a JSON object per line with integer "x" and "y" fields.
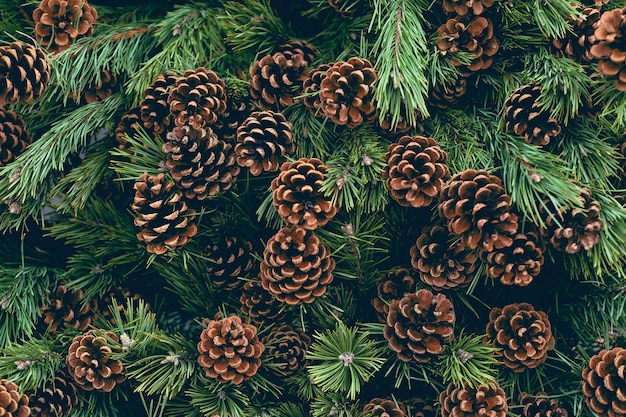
{"x": 402, "y": 126}
{"x": 59, "y": 23}
{"x": 442, "y": 96}
{"x": 14, "y": 138}
{"x": 56, "y": 399}
{"x": 263, "y": 141}
{"x": 120, "y": 295}
{"x": 127, "y": 126}
{"x": 420, "y": 407}
{"x": 346, "y": 93}
{"x": 287, "y": 346}
{"x": 89, "y": 363}
{"x": 396, "y": 284}
{"x": 418, "y": 325}
{"x": 525, "y": 117}
{"x": 610, "y": 46}
{"x": 259, "y": 306}
{"x": 463, "y": 7}
{"x": 154, "y": 109}
{"x": 416, "y": 170}
{"x": 311, "y": 87}
{"x": 100, "y": 90}
{"x": 230, "y": 351}
{"x": 381, "y": 407}
{"x": 297, "y": 47}
{"x": 232, "y": 258}
{"x": 296, "y": 266}
{"x": 238, "y": 108}
{"x": 162, "y": 214}
{"x": 67, "y": 307}
{"x": 346, "y": 8}
{"x": 197, "y": 98}
{"x": 24, "y": 73}
{"x": 603, "y": 383}
{"x": 577, "y": 43}
{"x": 297, "y": 197}
{"x": 522, "y": 333}
{"x": 442, "y": 264}
{"x": 478, "y": 210}
{"x": 484, "y": 401}
{"x": 535, "y": 406}
{"x": 517, "y": 264}
{"x": 12, "y": 403}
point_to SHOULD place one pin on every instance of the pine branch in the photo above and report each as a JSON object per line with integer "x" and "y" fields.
{"x": 613, "y": 102}
{"x": 312, "y": 135}
{"x": 550, "y": 17}
{"x": 146, "y": 155}
{"x": 336, "y": 405}
{"x": 213, "y": 398}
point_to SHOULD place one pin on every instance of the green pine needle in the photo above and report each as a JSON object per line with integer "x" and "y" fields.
{"x": 212, "y": 398}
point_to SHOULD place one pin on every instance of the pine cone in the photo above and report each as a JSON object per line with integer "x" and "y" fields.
{"x": 484, "y": 401}
{"x": 418, "y": 324}
{"x": 67, "y": 307}
{"x": 127, "y": 126}
{"x": 98, "y": 91}
{"x": 420, "y": 407}
{"x": 259, "y": 306}
{"x": 396, "y": 284}
{"x": 12, "y": 404}
{"x": 442, "y": 264}
{"x": 517, "y": 264}
{"x": 381, "y": 407}
{"x": 477, "y": 209}
{"x": 416, "y": 170}
{"x": 311, "y": 87}
{"x": 577, "y": 44}
{"x": 402, "y": 126}
{"x": 525, "y": 117}
{"x": 523, "y": 333}
{"x": 24, "y": 73}
{"x": 263, "y": 141}
{"x": 238, "y": 109}
{"x": 197, "y": 98}
{"x": 346, "y": 8}
{"x": 610, "y": 46}
{"x": 296, "y": 266}
{"x": 56, "y": 399}
{"x": 346, "y": 93}
{"x": 287, "y": 346}
{"x": 534, "y": 406}
{"x": 154, "y": 108}
{"x": 89, "y": 363}
{"x": 603, "y": 383}
{"x": 297, "y": 47}
{"x": 14, "y": 138}
{"x": 162, "y": 214}
{"x": 443, "y": 96}
{"x": 297, "y": 197}
{"x": 59, "y": 23}
{"x": 463, "y": 7}
{"x": 232, "y": 259}
{"x": 230, "y": 351}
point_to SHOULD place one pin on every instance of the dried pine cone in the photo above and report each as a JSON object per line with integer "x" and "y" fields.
{"x": 522, "y": 333}
{"x": 127, "y": 126}
{"x": 463, "y": 7}
{"x": 418, "y": 325}
{"x": 311, "y": 87}
{"x": 67, "y": 307}
{"x": 577, "y": 43}
{"x": 297, "y": 47}
{"x": 442, "y": 96}
{"x": 402, "y": 124}
{"x": 296, "y": 266}
{"x": 484, "y": 401}
{"x": 259, "y": 306}
{"x": 14, "y": 138}
{"x": 420, "y": 407}
{"x": 287, "y": 346}
{"x": 396, "y": 284}
{"x": 12, "y": 404}
{"x": 232, "y": 258}
{"x": 24, "y": 73}
{"x": 517, "y": 264}
{"x": 154, "y": 108}
{"x": 230, "y": 351}
{"x": 59, "y": 23}
{"x": 56, "y": 399}
{"x": 381, "y": 407}
{"x": 98, "y": 90}
{"x": 535, "y": 406}
{"x": 238, "y": 109}
{"x": 610, "y": 46}
{"x": 603, "y": 383}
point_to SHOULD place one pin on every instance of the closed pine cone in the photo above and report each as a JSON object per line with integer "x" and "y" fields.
{"x": 230, "y": 351}
{"x": 154, "y": 108}
{"x": 232, "y": 258}
{"x": 604, "y": 379}
{"x": 517, "y": 264}
{"x": 24, "y": 73}
{"x": 420, "y": 407}
{"x": 14, "y": 138}
{"x": 535, "y": 406}
{"x": 418, "y": 325}
{"x": 128, "y": 125}
{"x": 478, "y": 210}
{"x": 484, "y": 401}
{"x": 67, "y": 307}
{"x": 311, "y": 87}
{"x": 12, "y": 404}
{"x": 259, "y": 306}
{"x": 577, "y": 43}
{"x": 89, "y": 363}
{"x": 287, "y": 346}
{"x": 522, "y": 333}
{"x": 463, "y": 7}
{"x": 296, "y": 266}
{"x": 56, "y": 399}
{"x": 59, "y": 23}
{"x": 394, "y": 285}
{"x": 98, "y": 91}
{"x": 381, "y": 407}
{"x": 297, "y": 197}
{"x": 264, "y": 139}
{"x": 442, "y": 96}
{"x": 610, "y": 46}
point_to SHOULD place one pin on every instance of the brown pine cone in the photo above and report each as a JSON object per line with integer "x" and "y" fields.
{"x": 296, "y": 266}
{"x": 67, "y": 307}
{"x": 346, "y": 8}
{"x": 416, "y": 170}
{"x": 522, "y": 333}
{"x": 230, "y": 351}
{"x": 402, "y": 126}
{"x": 162, "y": 215}
{"x": 59, "y": 23}
{"x": 127, "y": 126}
{"x": 197, "y": 98}
{"x": 346, "y": 93}
{"x": 418, "y": 325}
{"x": 603, "y": 383}
{"x": 463, "y": 7}
{"x": 99, "y": 90}
{"x": 610, "y": 46}
{"x": 484, "y": 401}
{"x": 420, "y": 407}
{"x": 477, "y": 209}
{"x": 442, "y": 264}
{"x": 24, "y": 73}
{"x": 232, "y": 258}
{"x": 394, "y": 285}
{"x": 238, "y": 108}
{"x": 535, "y": 406}
{"x": 381, "y": 407}
{"x": 517, "y": 264}
{"x": 311, "y": 87}
{"x": 577, "y": 44}
{"x": 287, "y": 346}
{"x": 298, "y": 47}
{"x": 89, "y": 363}
{"x": 263, "y": 141}
{"x": 443, "y": 96}
{"x": 14, "y": 138}
{"x": 12, "y": 404}
{"x": 297, "y": 197}
{"x": 154, "y": 108}
{"x": 56, "y": 399}
{"x": 259, "y": 306}
{"x": 525, "y": 117}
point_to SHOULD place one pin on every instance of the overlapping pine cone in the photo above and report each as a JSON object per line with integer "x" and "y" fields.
{"x": 238, "y": 108}
{"x": 197, "y": 98}
{"x": 420, "y": 407}
{"x": 89, "y": 362}
{"x": 442, "y": 263}
{"x": 517, "y": 264}
{"x": 536, "y": 406}
{"x": 577, "y": 43}
{"x": 297, "y": 197}
{"x": 128, "y": 125}
{"x": 477, "y": 209}
{"x": 604, "y": 383}
{"x": 154, "y": 109}
{"x": 610, "y": 46}
{"x": 287, "y": 346}
{"x": 442, "y": 96}
{"x": 67, "y": 307}
{"x": 346, "y": 93}
{"x": 346, "y": 8}
{"x": 418, "y": 325}
{"x": 162, "y": 214}
{"x": 394, "y": 285}
{"x": 484, "y": 401}
{"x": 525, "y": 117}
{"x": 230, "y": 259}
{"x": 311, "y": 87}
{"x": 56, "y": 399}
{"x": 522, "y": 333}
{"x": 258, "y": 306}
{"x": 98, "y": 90}
{"x": 463, "y": 7}
{"x": 264, "y": 139}
{"x": 296, "y": 266}
{"x": 460, "y": 34}
{"x": 14, "y": 137}
{"x": 381, "y": 407}
{"x": 230, "y": 350}
{"x": 12, "y": 403}
{"x": 59, "y": 23}
{"x": 402, "y": 124}
{"x": 416, "y": 170}
{"x": 24, "y": 73}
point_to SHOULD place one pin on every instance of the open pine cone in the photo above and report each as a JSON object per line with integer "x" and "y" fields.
{"x": 128, "y": 125}
{"x": 463, "y": 7}
{"x": 14, "y": 138}
{"x": 232, "y": 258}
{"x": 394, "y": 285}
{"x": 535, "y": 406}
{"x": 56, "y": 399}
{"x": 484, "y": 401}
{"x": 604, "y": 380}
{"x": 517, "y": 264}
{"x": 402, "y": 125}
{"x": 154, "y": 108}
{"x": 258, "y": 306}
{"x": 59, "y": 23}
{"x": 98, "y": 90}
{"x": 420, "y": 407}
{"x": 67, "y": 307}
{"x": 12, "y": 403}
{"x": 610, "y": 46}
{"x": 287, "y": 346}
{"x": 443, "y": 96}
{"x": 238, "y": 108}
{"x": 311, "y": 87}
{"x": 381, "y": 407}
{"x": 577, "y": 43}
{"x": 24, "y": 73}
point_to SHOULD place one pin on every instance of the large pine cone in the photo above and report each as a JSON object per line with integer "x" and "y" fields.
{"x": 296, "y": 266}
{"x": 610, "y": 46}
{"x": 12, "y": 404}
{"x": 517, "y": 264}
{"x": 162, "y": 214}
{"x": 416, "y": 170}
{"x": 89, "y": 363}
{"x": 238, "y": 108}
{"x": 56, "y": 399}
{"x": 418, "y": 325}
{"x": 478, "y": 209}
{"x": 98, "y": 90}
{"x": 522, "y": 333}
{"x": 259, "y": 306}
{"x": 128, "y": 125}
{"x": 394, "y": 285}
{"x": 154, "y": 108}
{"x": 484, "y": 401}
{"x": 442, "y": 264}
{"x": 604, "y": 381}
{"x": 232, "y": 258}
{"x": 463, "y": 7}
{"x": 263, "y": 141}
{"x": 24, "y": 73}
{"x": 59, "y": 23}
{"x": 287, "y": 346}
{"x": 297, "y": 197}
{"x": 311, "y": 87}
{"x": 577, "y": 43}
{"x": 14, "y": 138}
{"x": 535, "y": 406}
{"x": 443, "y": 96}
{"x": 381, "y": 407}
{"x": 525, "y": 117}
{"x": 346, "y": 93}
{"x": 230, "y": 351}
{"x": 67, "y": 307}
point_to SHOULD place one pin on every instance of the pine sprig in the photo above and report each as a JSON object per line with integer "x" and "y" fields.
{"x": 146, "y": 155}
{"x": 213, "y": 398}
